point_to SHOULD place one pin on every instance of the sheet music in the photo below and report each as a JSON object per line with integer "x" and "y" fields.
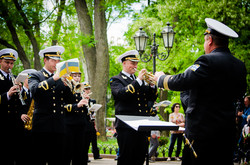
{"x": 21, "y": 77}
{"x": 95, "y": 107}
{"x": 147, "y": 123}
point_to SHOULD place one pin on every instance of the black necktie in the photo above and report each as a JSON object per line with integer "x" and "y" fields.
{"x": 8, "y": 77}
{"x": 132, "y": 77}
{"x": 52, "y": 75}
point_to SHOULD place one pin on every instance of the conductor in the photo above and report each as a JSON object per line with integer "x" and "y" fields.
{"x": 215, "y": 81}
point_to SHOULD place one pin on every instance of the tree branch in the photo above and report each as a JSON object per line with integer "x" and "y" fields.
{"x": 5, "y": 43}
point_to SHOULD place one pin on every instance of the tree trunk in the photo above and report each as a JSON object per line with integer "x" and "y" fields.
{"x": 30, "y": 33}
{"x": 96, "y": 56}
{"x": 20, "y": 50}
{"x": 102, "y": 63}
{"x": 165, "y": 116}
{"x": 58, "y": 23}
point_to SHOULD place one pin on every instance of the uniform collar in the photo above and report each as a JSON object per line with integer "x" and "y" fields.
{"x": 48, "y": 72}
{"x": 126, "y": 73}
{"x": 4, "y": 73}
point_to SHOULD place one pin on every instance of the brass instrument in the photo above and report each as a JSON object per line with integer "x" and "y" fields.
{"x": 74, "y": 86}
{"x": 148, "y": 77}
{"x": 28, "y": 124}
{"x": 90, "y": 113}
{"x": 190, "y": 145}
{"x": 18, "y": 88}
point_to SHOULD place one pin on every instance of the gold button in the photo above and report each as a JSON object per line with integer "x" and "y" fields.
{"x": 82, "y": 111}
{"x": 54, "y": 104}
{"x": 54, "y": 111}
{"x": 138, "y": 98}
{"x": 54, "y": 98}
{"x": 8, "y": 111}
{"x": 61, "y": 91}
{"x": 146, "y": 105}
{"x": 8, "y": 105}
{"x": 61, "y": 112}
{"x": 54, "y": 92}
{"x": 76, "y": 100}
{"x": 139, "y": 104}
{"x": 61, "y": 105}
{"x": 138, "y": 93}
{"x": 139, "y": 110}
{"x": 76, "y": 95}
{"x": 61, "y": 98}
{"x": 146, "y": 111}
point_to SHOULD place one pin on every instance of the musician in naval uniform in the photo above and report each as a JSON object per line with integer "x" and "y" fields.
{"x": 131, "y": 95}
{"x": 75, "y": 125}
{"x": 10, "y": 105}
{"x": 215, "y": 82}
{"x": 50, "y": 94}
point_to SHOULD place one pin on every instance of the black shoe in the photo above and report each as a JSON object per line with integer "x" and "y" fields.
{"x": 89, "y": 161}
{"x": 116, "y": 158}
{"x": 98, "y": 158}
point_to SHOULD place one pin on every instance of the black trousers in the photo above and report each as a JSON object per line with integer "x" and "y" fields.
{"x": 75, "y": 145}
{"x": 133, "y": 146}
{"x": 209, "y": 151}
{"x": 48, "y": 147}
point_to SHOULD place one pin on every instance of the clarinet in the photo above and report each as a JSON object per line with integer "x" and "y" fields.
{"x": 18, "y": 88}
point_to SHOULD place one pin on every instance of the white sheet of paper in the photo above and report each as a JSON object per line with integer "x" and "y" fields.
{"x": 164, "y": 103}
{"x": 21, "y": 77}
{"x": 95, "y": 107}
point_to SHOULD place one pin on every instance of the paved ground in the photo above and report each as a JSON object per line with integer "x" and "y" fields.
{"x": 106, "y": 161}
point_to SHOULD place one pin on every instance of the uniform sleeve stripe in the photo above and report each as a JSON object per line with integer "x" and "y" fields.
{"x": 165, "y": 82}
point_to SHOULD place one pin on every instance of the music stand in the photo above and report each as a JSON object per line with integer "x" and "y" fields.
{"x": 146, "y": 123}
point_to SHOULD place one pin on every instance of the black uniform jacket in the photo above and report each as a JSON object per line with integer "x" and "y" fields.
{"x": 131, "y": 98}
{"x": 9, "y": 108}
{"x": 76, "y": 116}
{"x": 214, "y": 82}
{"x": 50, "y": 97}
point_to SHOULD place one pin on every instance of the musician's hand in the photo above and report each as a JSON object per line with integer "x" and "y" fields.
{"x": 240, "y": 113}
{"x": 25, "y": 118}
{"x": 85, "y": 95}
{"x": 157, "y": 75}
{"x": 12, "y": 90}
{"x": 141, "y": 74}
{"x": 82, "y": 103}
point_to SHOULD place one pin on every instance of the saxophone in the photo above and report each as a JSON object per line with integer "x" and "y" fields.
{"x": 28, "y": 125}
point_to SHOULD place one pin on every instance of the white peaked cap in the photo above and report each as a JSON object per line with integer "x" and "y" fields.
{"x": 220, "y": 28}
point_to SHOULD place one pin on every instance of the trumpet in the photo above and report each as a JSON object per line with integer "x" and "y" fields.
{"x": 148, "y": 77}
{"x": 74, "y": 86}
{"x": 90, "y": 113}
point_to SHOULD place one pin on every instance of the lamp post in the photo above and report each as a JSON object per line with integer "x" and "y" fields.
{"x": 141, "y": 42}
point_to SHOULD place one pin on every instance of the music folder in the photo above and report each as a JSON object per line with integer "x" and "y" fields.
{"x": 147, "y": 123}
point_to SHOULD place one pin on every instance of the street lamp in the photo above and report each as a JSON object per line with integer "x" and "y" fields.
{"x": 141, "y": 42}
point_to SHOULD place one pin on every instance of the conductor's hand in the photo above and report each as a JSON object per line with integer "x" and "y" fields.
{"x": 157, "y": 75}
{"x": 82, "y": 103}
{"x": 141, "y": 74}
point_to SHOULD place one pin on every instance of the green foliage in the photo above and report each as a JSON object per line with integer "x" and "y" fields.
{"x": 163, "y": 140}
{"x": 188, "y": 19}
